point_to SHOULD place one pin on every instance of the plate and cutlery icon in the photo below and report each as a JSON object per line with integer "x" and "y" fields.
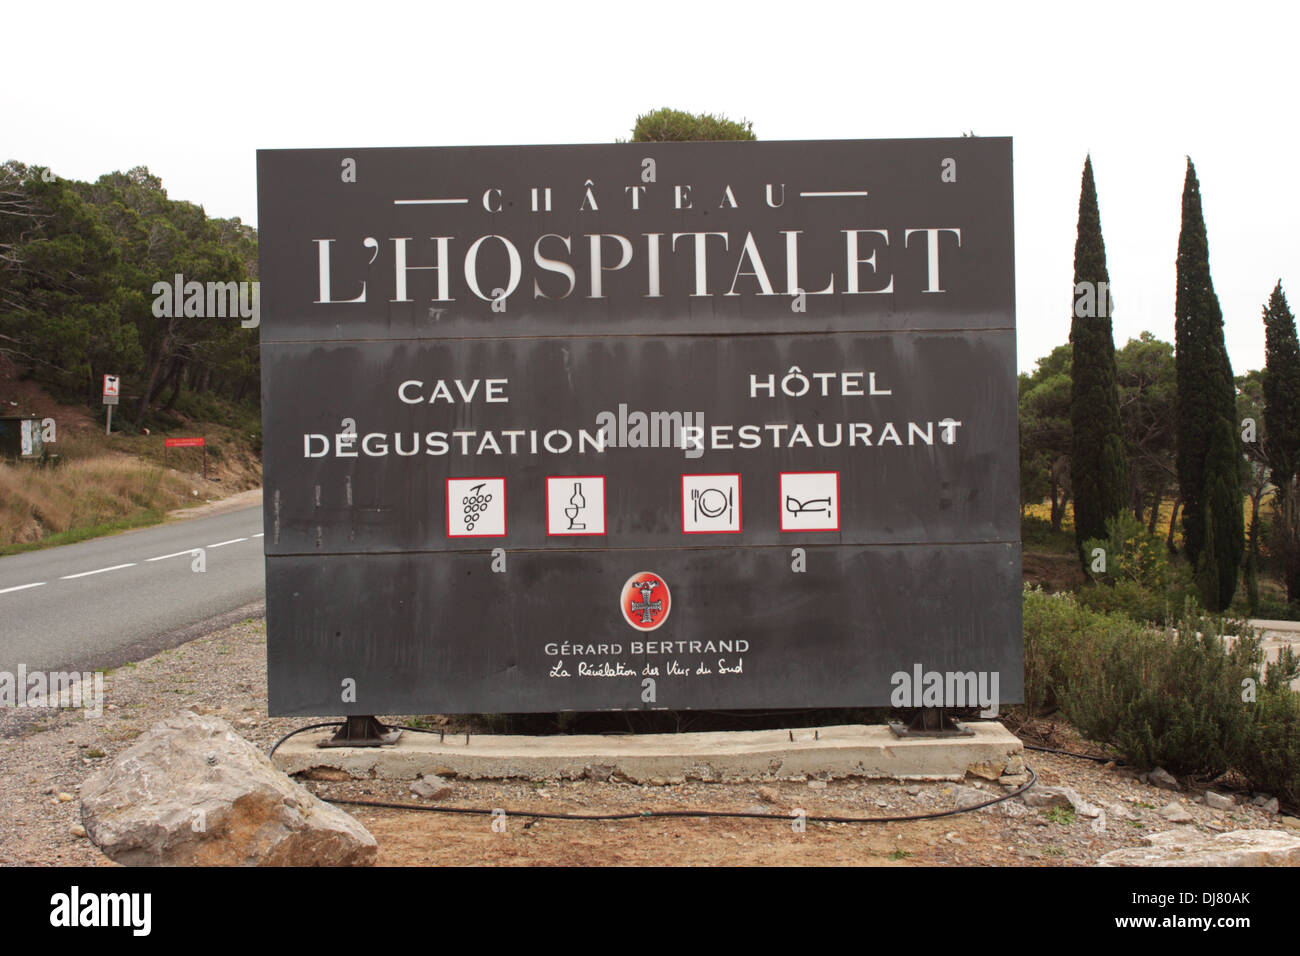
{"x": 710, "y": 504}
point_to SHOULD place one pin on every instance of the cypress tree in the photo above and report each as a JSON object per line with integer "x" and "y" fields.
{"x": 1282, "y": 428}
{"x": 1208, "y": 452}
{"x": 1098, "y": 467}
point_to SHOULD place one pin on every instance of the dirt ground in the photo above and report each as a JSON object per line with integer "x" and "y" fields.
{"x": 45, "y": 755}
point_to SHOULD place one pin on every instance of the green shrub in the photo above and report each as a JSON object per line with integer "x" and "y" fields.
{"x": 1171, "y": 698}
{"x": 1129, "y": 598}
{"x": 1129, "y": 553}
{"x": 1275, "y": 609}
{"x": 1139, "y": 578}
{"x": 1271, "y": 761}
{"x": 1056, "y": 627}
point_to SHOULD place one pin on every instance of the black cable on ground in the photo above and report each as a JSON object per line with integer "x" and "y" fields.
{"x": 302, "y": 730}
{"x": 643, "y": 814}
{"x": 1071, "y": 753}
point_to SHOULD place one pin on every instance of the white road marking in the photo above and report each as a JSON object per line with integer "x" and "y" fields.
{"x": 222, "y": 544}
{"x": 116, "y": 567}
{"x": 174, "y": 554}
{"x": 259, "y": 534}
{"x": 23, "y": 587}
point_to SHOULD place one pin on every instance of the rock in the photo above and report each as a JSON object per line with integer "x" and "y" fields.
{"x": 816, "y": 784}
{"x": 1119, "y": 812}
{"x": 1189, "y": 847}
{"x": 1176, "y": 813}
{"x": 1046, "y": 797}
{"x": 78, "y": 830}
{"x": 1163, "y": 779}
{"x": 599, "y": 771}
{"x": 989, "y": 770}
{"x": 914, "y": 791}
{"x": 431, "y": 787}
{"x": 1270, "y": 806}
{"x": 1014, "y": 779}
{"x": 967, "y": 797}
{"x": 1083, "y": 808}
{"x": 768, "y": 795}
{"x": 66, "y": 798}
{"x": 1217, "y": 801}
{"x": 658, "y": 782}
{"x": 163, "y": 802}
{"x": 1015, "y": 765}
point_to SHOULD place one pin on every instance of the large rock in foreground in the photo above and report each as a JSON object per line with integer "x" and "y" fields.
{"x": 193, "y": 792}
{"x": 1187, "y": 846}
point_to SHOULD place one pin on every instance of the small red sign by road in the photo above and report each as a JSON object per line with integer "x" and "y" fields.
{"x": 182, "y": 442}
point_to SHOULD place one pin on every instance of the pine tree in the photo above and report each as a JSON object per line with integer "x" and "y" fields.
{"x": 675, "y": 126}
{"x": 1208, "y": 455}
{"x": 1282, "y": 431}
{"x": 1099, "y": 469}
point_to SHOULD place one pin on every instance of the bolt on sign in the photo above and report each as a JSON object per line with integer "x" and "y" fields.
{"x": 671, "y": 425}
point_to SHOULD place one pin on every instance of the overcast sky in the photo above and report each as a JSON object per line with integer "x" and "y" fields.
{"x": 97, "y": 87}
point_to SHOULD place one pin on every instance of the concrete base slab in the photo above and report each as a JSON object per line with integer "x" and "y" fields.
{"x": 824, "y": 753}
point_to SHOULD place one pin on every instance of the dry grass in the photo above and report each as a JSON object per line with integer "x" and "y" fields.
{"x": 1043, "y": 510}
{"x": 84, "y": 495}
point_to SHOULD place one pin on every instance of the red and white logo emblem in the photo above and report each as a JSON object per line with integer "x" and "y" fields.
{"x": 645, "y": 601}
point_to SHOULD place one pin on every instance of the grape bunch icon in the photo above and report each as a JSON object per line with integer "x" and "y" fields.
{"x": 476, "y": 503}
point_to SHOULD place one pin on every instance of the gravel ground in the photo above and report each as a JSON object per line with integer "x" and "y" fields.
{"x": 46, "y": 754}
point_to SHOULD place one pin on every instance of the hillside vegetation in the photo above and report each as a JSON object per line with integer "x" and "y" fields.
{"x": 78, "y": 267}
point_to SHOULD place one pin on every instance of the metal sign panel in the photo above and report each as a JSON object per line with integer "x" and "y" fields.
{"x": 676, "y": 425}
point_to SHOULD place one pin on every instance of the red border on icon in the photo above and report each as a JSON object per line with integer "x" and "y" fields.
{"x": 780, "y": 500}
{"x": 740, "y": 514}
{"x": 505, "y": 515}
{"x": 604, "y": 511}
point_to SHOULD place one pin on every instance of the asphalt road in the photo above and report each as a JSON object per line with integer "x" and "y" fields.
{"x": 104, "y": 602}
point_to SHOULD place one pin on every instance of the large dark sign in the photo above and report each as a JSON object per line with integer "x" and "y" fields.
{"x": 676, "y": 425}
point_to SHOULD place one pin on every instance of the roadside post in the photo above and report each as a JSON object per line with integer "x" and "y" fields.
{"x": 112, "y": 388}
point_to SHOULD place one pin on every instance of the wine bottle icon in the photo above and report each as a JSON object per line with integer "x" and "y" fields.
{"x": 577, "y": 503}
